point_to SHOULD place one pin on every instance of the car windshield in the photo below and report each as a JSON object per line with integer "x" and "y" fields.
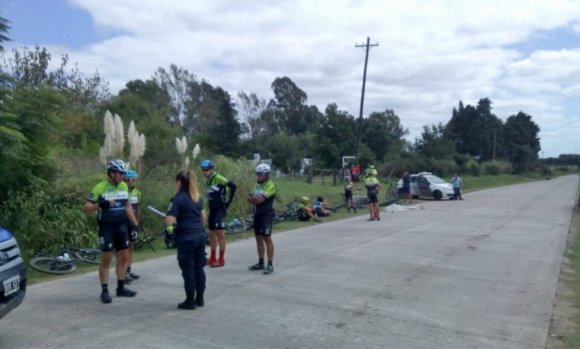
{"x": 435, "y": 179}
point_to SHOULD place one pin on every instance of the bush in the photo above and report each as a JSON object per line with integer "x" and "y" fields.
{"x": 495, "y": 168}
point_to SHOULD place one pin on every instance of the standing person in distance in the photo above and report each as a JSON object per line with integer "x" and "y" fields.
{"x": 373, "y": 185}
{"x": 406, "y": 186}
{"x": 186, "y": 213}
{"x": 457, "y": 183}
{"x": 348, "y": 195}
{"x": 135, "y": 199}
{"x": 262, "y": 197}
{"x": 218, "y": 210}
{"x": 111, "y": 199}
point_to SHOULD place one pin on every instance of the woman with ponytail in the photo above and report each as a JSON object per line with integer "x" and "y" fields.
{"x": 187, "y": 214}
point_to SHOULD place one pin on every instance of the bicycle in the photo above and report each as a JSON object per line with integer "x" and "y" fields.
{"x": 238, "y": 225}
{"x": 65, "y": 261}
{"x": 148, "y": 239}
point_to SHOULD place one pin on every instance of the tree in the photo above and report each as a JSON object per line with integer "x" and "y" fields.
{"x": 434, "y": 144}
{"x": 290, "y": 111}
{"x": 175, "y": 83}
{"x": 250, "y": 108}
{"x": 475, "y": 131}
{"x": 335, "y": 135}
{"x": 383, "y": 133}
{"x": 4, "y": 26}
{"x": 521, "y": 140}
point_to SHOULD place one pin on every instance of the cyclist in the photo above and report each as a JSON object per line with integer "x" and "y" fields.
{"x": 373, "y": 185}
{"x": 305, "y": 211}
{"x": 218, "y": 206}
{"x": 111, "y": 199}
{"x": 186, "y": 211}
{"x": 262, "y": 197}
{"x": 321, "y": 207}
{"x": 348, "y": 195}
{"x": 135, "y": 199}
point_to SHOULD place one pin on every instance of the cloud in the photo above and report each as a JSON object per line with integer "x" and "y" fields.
{"x": 430, "y": 54}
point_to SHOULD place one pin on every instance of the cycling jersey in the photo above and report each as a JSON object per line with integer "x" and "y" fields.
{"x": 267, "y": 190}
{"x": 216, "y": 190}
{"x": 106, "y": 190}
{"x": 134, "y": 198}
{"x": 372, "y": 184}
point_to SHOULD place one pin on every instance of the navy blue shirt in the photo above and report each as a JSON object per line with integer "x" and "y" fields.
{"x": 187, "y": 213}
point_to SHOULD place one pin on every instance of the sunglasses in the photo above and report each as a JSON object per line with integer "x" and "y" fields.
{"x": 260, "y": 173}
{"x": 205, "y": 169}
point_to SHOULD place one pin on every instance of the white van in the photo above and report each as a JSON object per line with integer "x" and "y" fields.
{"x": 425, "y": 184}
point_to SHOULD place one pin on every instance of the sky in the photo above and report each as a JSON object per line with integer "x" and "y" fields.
{"x": 524, "y": 55}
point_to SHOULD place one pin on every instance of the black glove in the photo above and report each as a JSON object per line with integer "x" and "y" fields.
{"x": 134, "y": 231}
{"x": 104, "y": 204}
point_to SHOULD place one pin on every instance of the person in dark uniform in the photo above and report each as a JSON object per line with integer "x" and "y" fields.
{"x": 186, "y": 213}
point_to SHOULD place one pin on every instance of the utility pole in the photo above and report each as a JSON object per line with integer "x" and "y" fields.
{"x": 362, "y": 97}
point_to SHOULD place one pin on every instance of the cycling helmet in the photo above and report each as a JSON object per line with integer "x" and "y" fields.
{"x": 117, "y": 166}
{"x": 263, "y": 169}
{"x": 305, "y": 199}
{"x": 131, "y": 174}
{"x": 206, "y": 164}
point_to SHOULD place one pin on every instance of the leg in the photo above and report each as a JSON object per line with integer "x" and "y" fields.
{"x": 212, "y": 247}
{"x": 199, "y": 273}
{"x": 106, "y": 258}
{"x": 261, "y": 246}
{"x": 221, "y": 239}
{"x": 186, "y": 261}
{"x": 269, "y": 244}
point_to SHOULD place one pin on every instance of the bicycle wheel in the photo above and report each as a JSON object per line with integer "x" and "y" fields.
{"x": 88, "y": 255}
{"x": 53, "y": 265}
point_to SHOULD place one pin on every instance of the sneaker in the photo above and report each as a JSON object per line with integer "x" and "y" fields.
{"x": 210, "y": 261}
{"x": 269, "y": 269}
{"x": 106, "y": 297}
{"x": 218, "y": 263}
{"x": 133, "y": 275}
{"x": 128, "y": 279}
{"x": 125, "y": 292}
{"x": 257, "y": 266}
{"x": 378, "y": 218}
{"x": 370, "y": 219}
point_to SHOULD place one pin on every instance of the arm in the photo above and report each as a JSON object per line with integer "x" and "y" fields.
{"x": 233, "y": 189}
{"x": 256, "y": 200}
{"x": 130, "y": 214}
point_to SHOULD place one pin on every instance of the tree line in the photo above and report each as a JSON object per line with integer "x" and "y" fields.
{"x": 48, "y": 113}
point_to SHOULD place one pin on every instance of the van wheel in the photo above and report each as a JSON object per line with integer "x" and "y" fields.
{"x": 437, "y": 195}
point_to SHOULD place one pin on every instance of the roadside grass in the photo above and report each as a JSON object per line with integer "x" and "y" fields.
{"x": 571, "y": 339}
{"x": 289, "y": 189}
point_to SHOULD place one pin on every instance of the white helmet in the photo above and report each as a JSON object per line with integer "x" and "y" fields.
{"x": 263, "y": 168}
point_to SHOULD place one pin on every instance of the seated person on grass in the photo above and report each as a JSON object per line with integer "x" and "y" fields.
{"x": 305, "y": 211}
{"x": 321, "y": 207}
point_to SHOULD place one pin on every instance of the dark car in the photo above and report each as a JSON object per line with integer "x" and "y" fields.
{"x": 12, "y": 273}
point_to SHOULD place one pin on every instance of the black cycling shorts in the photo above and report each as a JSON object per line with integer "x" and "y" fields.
{"x": 113, "y": 236}
{"x": 263, "y": 224}
{"x": 216, "y": 219}
{"x": 373, "y": 197}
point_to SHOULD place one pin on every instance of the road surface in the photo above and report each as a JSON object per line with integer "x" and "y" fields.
{"x": 478, "y": 273}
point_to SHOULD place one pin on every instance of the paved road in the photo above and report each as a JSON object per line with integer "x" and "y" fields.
{"x": 478, "y": 273}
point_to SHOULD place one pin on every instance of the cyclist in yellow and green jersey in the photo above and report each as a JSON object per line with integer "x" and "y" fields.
{"x": 135, "y": 199}
{"x": 111, "y": 199}
{"x": 373, "y": 185}
{"x": 217, "y": 187}
{"x": 262, "y": 197}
